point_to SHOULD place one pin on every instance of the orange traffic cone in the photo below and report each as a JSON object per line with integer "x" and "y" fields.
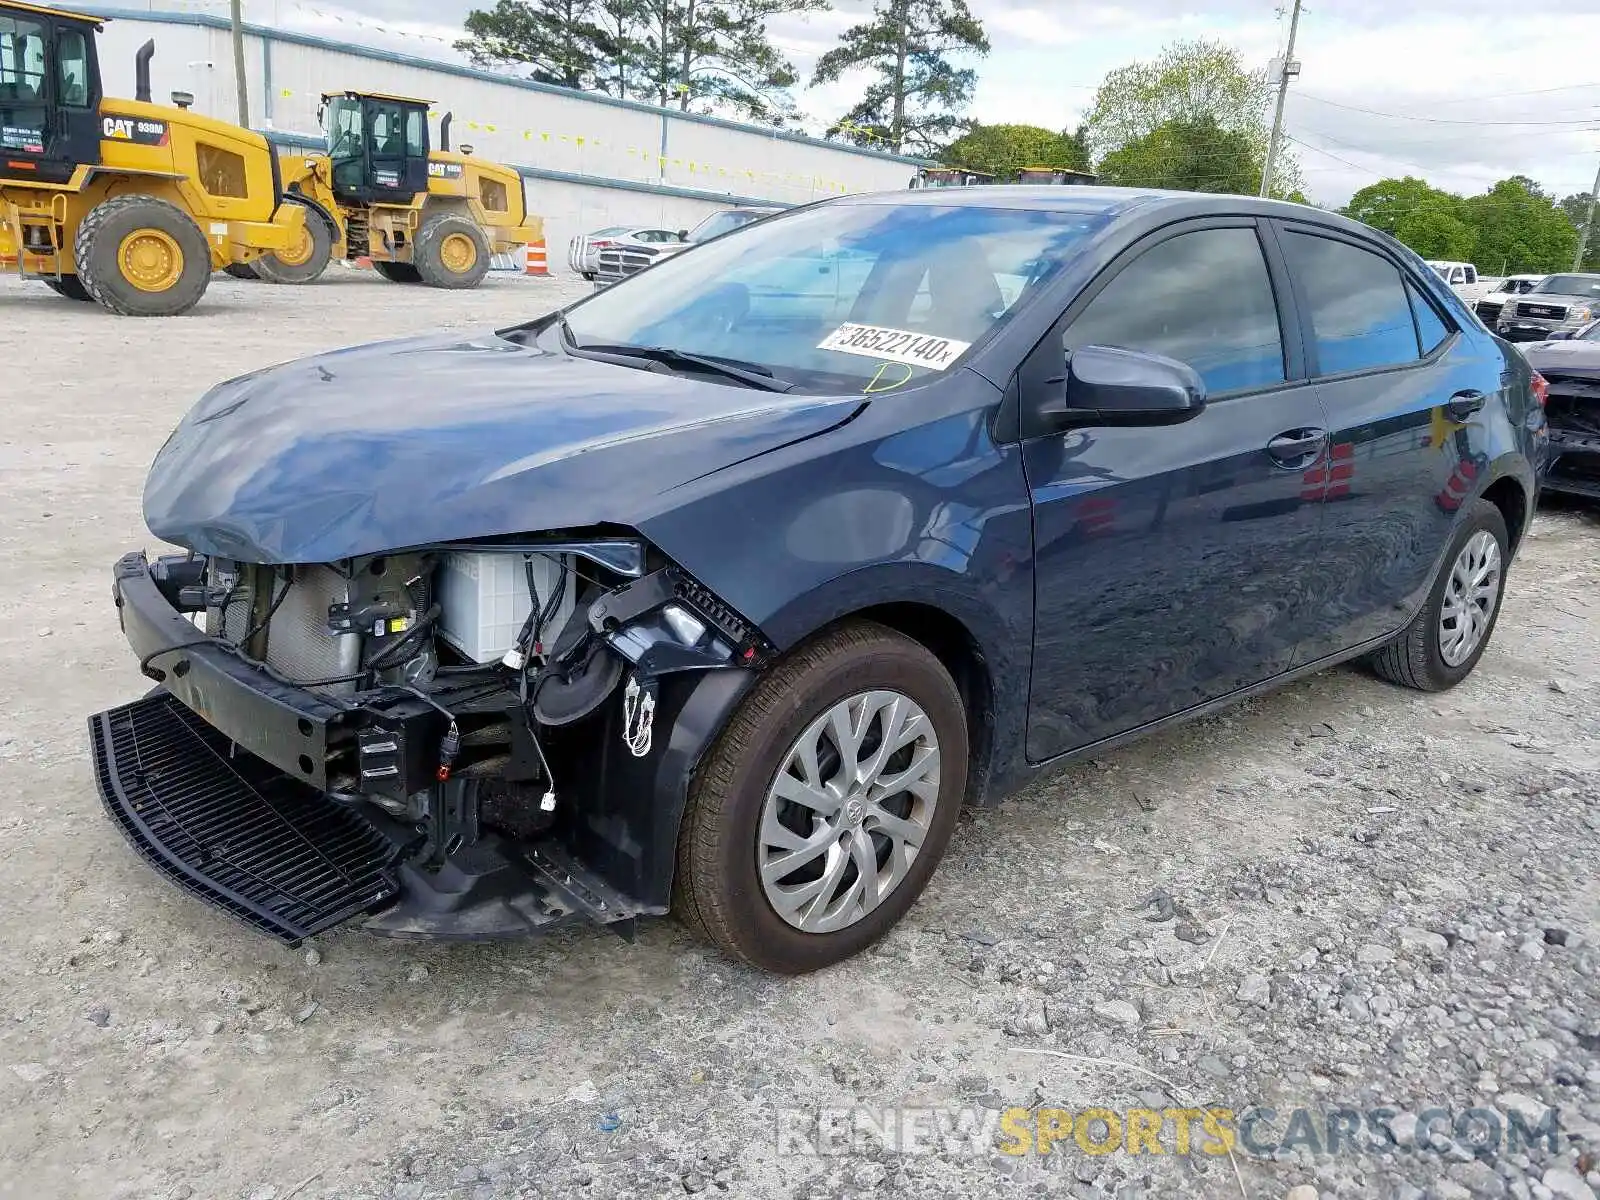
{"x": 536, "y": 264}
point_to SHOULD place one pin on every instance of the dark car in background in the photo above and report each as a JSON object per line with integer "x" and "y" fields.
{"x": 722, "y": 590}
{"x": 1571, "y": 368}
{"x": 1562, "y": 303}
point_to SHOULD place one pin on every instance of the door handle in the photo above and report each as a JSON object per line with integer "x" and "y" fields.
{"x": 1463, "y": 404}
{"x": 1297, "y": 448}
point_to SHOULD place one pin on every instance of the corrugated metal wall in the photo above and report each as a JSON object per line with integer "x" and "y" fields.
{"x": 591, "y": 161}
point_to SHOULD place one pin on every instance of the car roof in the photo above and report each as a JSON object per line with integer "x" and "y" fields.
{"x": 1091, "y": 200}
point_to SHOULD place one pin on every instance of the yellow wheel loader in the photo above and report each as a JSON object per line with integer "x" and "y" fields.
{"x": 123, "y": 202}
{"x": 381, "y": 193}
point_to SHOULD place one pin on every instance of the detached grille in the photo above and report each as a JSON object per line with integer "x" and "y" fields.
{"x": 232, "y": 829}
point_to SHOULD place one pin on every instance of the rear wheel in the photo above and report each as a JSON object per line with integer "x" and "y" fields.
{"x": 303, "y": 262}
{"x": 1450, "y": 633}
{"x": 140, "y": 256}
{"x": 69, "y": 286}
{"x": 824, "y": 806}
{"x": 397, "y": 272}
{"x": 451, "y": 252}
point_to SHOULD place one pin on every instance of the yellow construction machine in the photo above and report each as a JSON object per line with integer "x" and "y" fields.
{"x": 123, "y": 202}
{"x": 381, "y": 193}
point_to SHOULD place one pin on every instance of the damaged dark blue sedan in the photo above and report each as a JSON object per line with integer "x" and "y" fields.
{"x": 722, "y": 590}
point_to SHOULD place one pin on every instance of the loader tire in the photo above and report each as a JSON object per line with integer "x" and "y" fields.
{"x": 305, "y": 262}
{"x": 451, "y": 252}
{"x": 240, "y": 271}
{"x": 397, "y": 272}
{"x": 140, "y": 256}
{"x": 69, "y": 286}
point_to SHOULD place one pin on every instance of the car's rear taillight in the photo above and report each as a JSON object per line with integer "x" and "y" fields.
{"x": 602, "y": 245}
{"x": 1541, "y": 388}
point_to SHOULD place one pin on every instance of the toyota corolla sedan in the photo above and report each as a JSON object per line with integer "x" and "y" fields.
{"x": 721, "y": 591}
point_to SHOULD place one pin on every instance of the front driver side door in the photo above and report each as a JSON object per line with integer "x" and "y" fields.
{"x": 1174, "y": 564}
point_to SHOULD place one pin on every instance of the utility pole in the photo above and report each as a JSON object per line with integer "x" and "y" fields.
{"x": 1588, "y": 224}
{"x": 1286, "y": 68}
{"x": 237, "y": 16}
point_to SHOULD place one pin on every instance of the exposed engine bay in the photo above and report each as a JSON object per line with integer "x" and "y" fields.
{"x": 479, "y": 705}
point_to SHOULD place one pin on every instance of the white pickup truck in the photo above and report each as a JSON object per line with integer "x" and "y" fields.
{"x": 1464, "y": 279}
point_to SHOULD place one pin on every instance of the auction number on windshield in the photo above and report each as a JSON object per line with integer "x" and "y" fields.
{"x": 894, "y": 345}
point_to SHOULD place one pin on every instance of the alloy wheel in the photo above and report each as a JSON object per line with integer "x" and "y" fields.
{"x": 848, "y": 811}
{"x": 1470, "y": 594}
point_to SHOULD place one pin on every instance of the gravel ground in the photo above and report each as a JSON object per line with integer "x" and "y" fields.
{"x": 1342, "y": 896}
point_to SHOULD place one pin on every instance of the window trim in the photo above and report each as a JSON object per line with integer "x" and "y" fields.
{"x": 1303, "y": 307}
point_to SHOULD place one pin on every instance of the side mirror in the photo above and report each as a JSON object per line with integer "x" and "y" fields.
{"x": 1107, "y": 386}
{"x": 1558, "y": 335}
{"x": 683, "y": 235}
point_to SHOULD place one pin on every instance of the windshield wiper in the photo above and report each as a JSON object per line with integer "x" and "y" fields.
{"x": 751, "y": 374}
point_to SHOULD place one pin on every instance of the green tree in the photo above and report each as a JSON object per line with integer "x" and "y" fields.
{"x": 916, "y": 99}
{"x": 1386, "y": 204}
{"x": 676, "y": 52}
{"x": 554, "y": 39}
{"x": 1160, "y": 118}
{"x": 1002, "y": 149}
{"x": 1435, "y": 230}
{"x": 1520, "y": 228}
{"x": 1190, "y": 156}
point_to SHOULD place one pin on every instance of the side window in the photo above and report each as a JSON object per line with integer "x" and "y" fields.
{"x": 1472, "y": 275}
{"x": 415, "y": 141}
{"x": 1431, "y": 329}
{"x": 1203, "y": 298}
{"x": 72, "y": 62}
{"x": 1360, "y": 316}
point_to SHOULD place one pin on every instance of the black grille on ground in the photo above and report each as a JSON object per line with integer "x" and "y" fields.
{"x": 232, "y": 829}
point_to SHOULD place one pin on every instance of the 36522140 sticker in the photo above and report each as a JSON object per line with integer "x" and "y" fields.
{"x": 894, "y": 345}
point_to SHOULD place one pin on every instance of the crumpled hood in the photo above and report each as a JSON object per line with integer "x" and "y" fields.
{"x": 447, "y": 438}
{"x": 1571, "y": 356}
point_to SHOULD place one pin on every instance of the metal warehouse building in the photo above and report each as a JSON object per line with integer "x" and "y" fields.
{"x": 587, "y": 160}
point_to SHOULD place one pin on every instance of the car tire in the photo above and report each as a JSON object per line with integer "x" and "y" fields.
{"x": 735, "y": 819}
{"x": 1435, "y": 652}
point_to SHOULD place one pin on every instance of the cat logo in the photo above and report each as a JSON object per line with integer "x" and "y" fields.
{"x": 134, "y": 129}
{"x": 439, "y": 170}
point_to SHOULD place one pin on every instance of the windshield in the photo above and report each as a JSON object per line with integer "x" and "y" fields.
{"x": 1589, "y": 333}
{"x": 841, "y": 297}
{"x": 720, "y": 223}
{"x": 1571, "y": 285}
{"x": 342, "y": 125}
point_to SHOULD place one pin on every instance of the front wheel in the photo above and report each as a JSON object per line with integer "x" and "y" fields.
{"x": 824, "y": 806}
{"x": 1450, "y": 633}
{"x": 451, "y": 252}
{"x": 140, "y": 256}
{"x": 305, "y": 261}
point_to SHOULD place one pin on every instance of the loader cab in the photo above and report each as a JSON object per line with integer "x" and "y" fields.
{"x": 49, "y": 93}
{"x": 378, "y": 146}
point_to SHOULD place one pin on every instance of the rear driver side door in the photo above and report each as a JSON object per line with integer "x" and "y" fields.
{"x": 1172, "y": 564}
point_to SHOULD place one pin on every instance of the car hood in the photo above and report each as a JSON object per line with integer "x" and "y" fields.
{"x": 448, "y": 438}
{"x": 1557, "y": 298}
{"x": 1567, "y": 357}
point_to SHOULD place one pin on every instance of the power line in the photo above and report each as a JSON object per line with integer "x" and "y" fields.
{"x": 1438, "y": 120}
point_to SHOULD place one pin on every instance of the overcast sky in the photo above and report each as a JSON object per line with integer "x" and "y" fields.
{"x": 1461, "y": 92}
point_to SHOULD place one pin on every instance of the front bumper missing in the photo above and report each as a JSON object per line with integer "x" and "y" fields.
{"x": 1573, "y": 466}
{"x": 218, "y": 779}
